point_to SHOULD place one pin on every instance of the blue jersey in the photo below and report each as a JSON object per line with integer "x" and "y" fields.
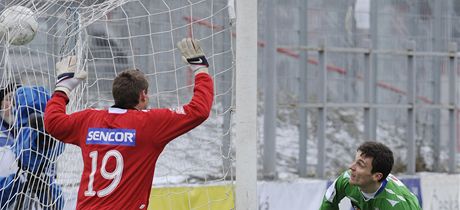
{"x": 6, "y": 134}
{"x": 35, "y": 152}
{"x": 35, "y": 149}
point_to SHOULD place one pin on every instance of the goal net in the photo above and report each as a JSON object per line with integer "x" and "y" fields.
{"x": 38, "y": 172}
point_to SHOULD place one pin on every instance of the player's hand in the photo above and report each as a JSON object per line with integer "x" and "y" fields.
{"x": 67, "y": 79}
{"x": 193, "y": 55}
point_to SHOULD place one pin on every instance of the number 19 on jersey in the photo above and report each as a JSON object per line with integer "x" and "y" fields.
{"x": 115, "y": 175}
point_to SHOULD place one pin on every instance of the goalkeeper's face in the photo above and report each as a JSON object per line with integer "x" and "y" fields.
{"x": 361, "y": 173}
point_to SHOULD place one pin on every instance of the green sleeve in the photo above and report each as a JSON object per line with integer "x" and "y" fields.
{"x": 335, "y": 193}
{"x": 406, "y": 206}
{"x": 410, "y": 203}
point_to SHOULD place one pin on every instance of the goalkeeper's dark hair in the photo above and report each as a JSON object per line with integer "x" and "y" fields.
{"x": 127, "y": 87}
{"x": 382, "y": 157}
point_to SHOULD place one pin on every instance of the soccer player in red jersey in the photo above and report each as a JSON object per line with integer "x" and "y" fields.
{"x": 120, "y": 146}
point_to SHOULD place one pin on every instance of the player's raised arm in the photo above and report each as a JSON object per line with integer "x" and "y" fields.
{"x": 57, "y": 122}
{"x": 182, "y": 119}
{"x": 203, "y": 92}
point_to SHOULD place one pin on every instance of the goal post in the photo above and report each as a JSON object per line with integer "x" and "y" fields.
{"x": 246, "y": 105}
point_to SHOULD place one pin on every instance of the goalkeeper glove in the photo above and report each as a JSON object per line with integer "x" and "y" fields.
{"x": 193, "y": 55}
{"x": 67, "y": 78}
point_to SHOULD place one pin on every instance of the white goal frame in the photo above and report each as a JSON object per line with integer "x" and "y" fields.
{"x": 246, "y": 105}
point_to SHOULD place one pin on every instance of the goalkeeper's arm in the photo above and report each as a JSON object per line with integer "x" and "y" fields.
{"x": 182, "y": 119}
{"x": 57, "y": 122}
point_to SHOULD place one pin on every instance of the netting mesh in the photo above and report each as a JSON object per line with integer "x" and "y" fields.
{"x": 38, "y": 172}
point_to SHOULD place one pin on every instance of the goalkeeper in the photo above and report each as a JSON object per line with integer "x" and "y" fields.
{"x": 121, "y": 145}
{"x": 35, "y": 152}
{"x": 369, "y": 184}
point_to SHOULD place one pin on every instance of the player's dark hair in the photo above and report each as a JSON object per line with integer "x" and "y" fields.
{"x": 127, "y": 87}
{"x": 382, "y": 157}
{"x": 6, "y": 90}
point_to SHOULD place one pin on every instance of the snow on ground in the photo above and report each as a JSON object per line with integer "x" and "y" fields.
{"x": 344, "y": 133}
{"x": 197, "y": 156}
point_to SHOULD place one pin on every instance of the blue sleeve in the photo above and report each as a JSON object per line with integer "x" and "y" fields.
{"x": 6, "y": 137}
{"x": 9, "y": 189}
{"x": 4, "y": 140}
{"x": 35, "y": 154}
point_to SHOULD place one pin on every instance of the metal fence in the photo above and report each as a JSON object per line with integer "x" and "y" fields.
{"x": 356, "y": 70}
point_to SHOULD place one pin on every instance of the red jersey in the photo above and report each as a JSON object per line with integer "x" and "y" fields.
{"x": 120, "y": 147}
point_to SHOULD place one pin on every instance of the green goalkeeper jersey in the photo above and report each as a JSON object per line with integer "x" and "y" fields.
{"x": 392, "y": 195}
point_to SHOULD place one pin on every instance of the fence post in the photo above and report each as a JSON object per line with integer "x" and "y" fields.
{"x": 322, "y": 110}
{"x": 270, "y": 89}
{"x": 411, "y": 109}
{"x": 368, "y": 92}
{"x": 452, "y": 106}
{"x": 303, "y": 91}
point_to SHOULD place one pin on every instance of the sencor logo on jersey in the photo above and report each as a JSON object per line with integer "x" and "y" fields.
{"x": 124, "y": 137}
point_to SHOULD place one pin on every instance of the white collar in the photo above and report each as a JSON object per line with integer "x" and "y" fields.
{"x": 114, "y": 110}
{"x": 368, "y": 196}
